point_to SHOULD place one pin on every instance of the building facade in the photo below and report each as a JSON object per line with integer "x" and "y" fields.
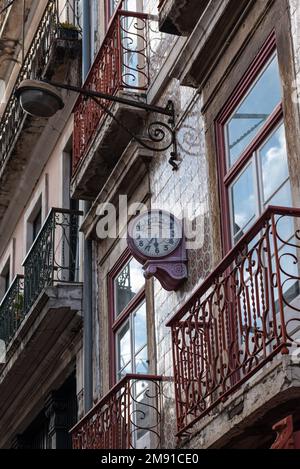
{"x": 94, "y": 354}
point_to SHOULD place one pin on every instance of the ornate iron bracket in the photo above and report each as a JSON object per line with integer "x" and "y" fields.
{"x": 161, "y": 133}
{"x": 158, "y": 132}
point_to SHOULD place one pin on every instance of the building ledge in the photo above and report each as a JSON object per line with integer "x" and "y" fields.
{"x": 211, "y": 36}
{"x": 245, "y": 420}
{"x": 125, "y": 177}
{"x": 40, "y": 348}
{"x": 180, "y": 16}
{"x": 11, "y": 25}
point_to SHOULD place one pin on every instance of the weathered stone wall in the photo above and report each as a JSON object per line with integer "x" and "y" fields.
{"x": 294, "y": 7}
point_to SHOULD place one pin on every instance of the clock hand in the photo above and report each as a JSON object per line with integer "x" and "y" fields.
{"x": 156, "y": 244}
{"x": 150, "y": 242}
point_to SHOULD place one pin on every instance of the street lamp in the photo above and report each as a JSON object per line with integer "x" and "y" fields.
{"x": 41, "y": 98}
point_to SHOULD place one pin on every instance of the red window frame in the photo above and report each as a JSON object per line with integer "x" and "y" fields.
{"x": 115, "y": 324}
{"x": 225, "y": 176}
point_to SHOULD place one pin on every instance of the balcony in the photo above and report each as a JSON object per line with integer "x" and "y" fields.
{"x": 48, "y": 56}
{"x": 12, "y": 309}
{"x": 180, "y": 17}
{"x": 244, "y": 316}
{"x": 11, "y": 27}
{"x": 121, "y": 67}
{"x": 52, "y": 258}
{"x": 50, "y": 261}
{"x": 40, "y": 317}
{"x": 128, "y": 417}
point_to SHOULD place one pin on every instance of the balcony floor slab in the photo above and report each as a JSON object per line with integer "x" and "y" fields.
{"x": 109, "y": 143}
{"x": 247, "y": 417}
{"x": 180, "y": 16}
{"x": 38, "y": 356}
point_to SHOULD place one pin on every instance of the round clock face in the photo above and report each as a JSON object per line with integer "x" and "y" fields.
{"x": 155, "y": 233}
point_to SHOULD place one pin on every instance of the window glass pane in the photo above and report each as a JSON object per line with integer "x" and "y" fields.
{"x": 36, "y": 225}
{"x": 125, "y": 371}
{"x": 140, "y": 327}
{"x": 243, "y": 201}
{"x": 130, "y": 5}
{"x": 141, "y": 361}
{"x": 113, "y": 5}
{"x": 283, "y": 197}
{"x": 128, "y": 283}
{"x": 274, "y": 166}
{"x": 255, "y": 109}
{"x": 124, "y": 346}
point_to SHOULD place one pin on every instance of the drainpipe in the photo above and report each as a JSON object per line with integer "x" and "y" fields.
{"x": 87, "y": 244}
{"x": 86, "y": 38}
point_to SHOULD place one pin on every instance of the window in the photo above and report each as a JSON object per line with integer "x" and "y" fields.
{"x": 37, "y": 224}
{"x": 5, "y": 278}
{"x": 129, "y": 321}
{"x": 94, "y": 27}
{"x": 110, "y": 7}
{"x": 129, "y": 5}
{"x": 252, "y": 148}
{"x": 253, "y": 160}
{"x": 34, "y": 223}
{"x": 129, "y": 339}
{"x": 131, "y": 343}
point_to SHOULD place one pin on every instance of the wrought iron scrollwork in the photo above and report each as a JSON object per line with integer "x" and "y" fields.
{"x": 129, "y": 416}
{"x": 52, "y": 258}
{"x": 123, "y": 63}
{"x": 161, "y": 133}
{"x": 33, "y": 67}
{"x": 12, "y": 309}
{"x": 245, "y": 312}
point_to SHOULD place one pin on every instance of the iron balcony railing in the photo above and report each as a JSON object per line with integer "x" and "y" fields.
{"x": 122, "y": 63}
{"x": 242, "y": 316}
{"x": 12, "y": 309}
{"x": 129, "y": 416}
{"x": 33, "y": 67}
{"x": 52, "y": 257}
{"x": 51, "y": 260}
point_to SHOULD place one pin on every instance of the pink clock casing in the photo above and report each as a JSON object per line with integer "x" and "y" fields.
{"x": 170, "y": 270}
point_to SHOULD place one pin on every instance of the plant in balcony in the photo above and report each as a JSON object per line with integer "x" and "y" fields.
{"x": 68, "y": 31}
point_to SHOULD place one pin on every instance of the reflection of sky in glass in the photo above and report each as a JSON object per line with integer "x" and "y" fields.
{"x": 283, "y": 197}
{"x": 274, "y": 163}
{"x": 243, "y": 201}
{"x": 124, "y": 346}
{"x": 128, "y": 283}
{"x": 140, "y": 330}
{"x": 141, "y": 361}
{"x": 132, "y": 344}
{"x": 257, "y": 106}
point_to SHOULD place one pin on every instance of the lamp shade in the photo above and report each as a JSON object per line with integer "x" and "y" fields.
{"x": 39, "y": 99}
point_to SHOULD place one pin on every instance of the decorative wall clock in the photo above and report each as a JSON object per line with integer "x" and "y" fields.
{"x": 156, "y": 240}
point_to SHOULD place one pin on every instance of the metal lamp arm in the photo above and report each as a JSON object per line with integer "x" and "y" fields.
{"x": 157, "y": 132}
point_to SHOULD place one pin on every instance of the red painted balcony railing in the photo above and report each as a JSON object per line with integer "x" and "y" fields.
{"x": 129, "y": 416}
{"x": 121, "y": 63}
{"x": 243, "y": 315}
